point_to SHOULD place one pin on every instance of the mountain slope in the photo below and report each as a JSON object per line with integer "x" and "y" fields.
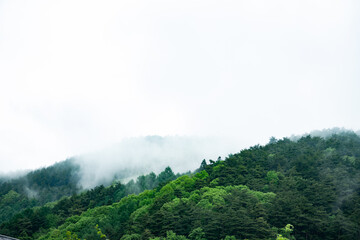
{"x": 124, "y": 161}
{"x": 31, "y": 220}
{"x": 312, "y": 183}
{"x": 38, "y": 187}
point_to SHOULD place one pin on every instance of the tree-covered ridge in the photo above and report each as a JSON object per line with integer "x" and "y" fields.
{"x": 32, "y": 220}
{"x": 49, "y": 184}
{"x": 177, "y": 207}
{"x": 38, "y": 187}
{"x": 312, "y": 184}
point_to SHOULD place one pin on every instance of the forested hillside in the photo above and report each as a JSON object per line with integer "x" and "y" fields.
{"x": 32, "y": 220}
{"x": 117, "y": 163}
{"x": 38, "y": 187}
{"x": 304, "y": 189}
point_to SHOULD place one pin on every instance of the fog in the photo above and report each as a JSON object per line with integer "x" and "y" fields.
{"x": 136, "y": 156}
{"x": 13, "y": 174}
{"x": 325, "y": 133}
{"x": 79, "y": 76}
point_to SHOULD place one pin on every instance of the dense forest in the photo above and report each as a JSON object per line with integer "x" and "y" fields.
{"x": 301, "y": 189}
{"x": 38, "y": 187}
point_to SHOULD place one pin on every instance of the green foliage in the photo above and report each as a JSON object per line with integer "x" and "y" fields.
{"x": 312, "y": 183}
{"x": 197, "y": 234}
{"x": 71, "y": 236}
{"x": 272, "y": 177}
{"x": 280, "y": 237}
{"x": 170, "y": 235}
{"x": 286, "y": 233}
{"x": 65, "y": 211}
{"x": 37, "y": 188}
{"x": 230, "y": 238}
{"x": 99, "y": 232}
{"x": 131, "y": 237}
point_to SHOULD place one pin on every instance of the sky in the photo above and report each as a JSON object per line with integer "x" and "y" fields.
{"x": 78, "y": 76}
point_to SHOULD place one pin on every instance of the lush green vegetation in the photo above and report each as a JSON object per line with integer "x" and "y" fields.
{"x": 37, "y": 188}
{"x": 305, "y": 189}
{"x": 30, "y": 221}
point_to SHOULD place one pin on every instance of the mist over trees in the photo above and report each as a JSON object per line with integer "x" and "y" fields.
{"x": 136, "y": 156}
{"x": 38, "y": 187}
{"x": 28, "y": 222}
{"x": 303, "y": 189}
{"x": 122, "y": 162}
{"x": 325, "y": 133}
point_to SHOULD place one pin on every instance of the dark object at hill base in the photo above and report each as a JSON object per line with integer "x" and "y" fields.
{"x": 2, "y": 237}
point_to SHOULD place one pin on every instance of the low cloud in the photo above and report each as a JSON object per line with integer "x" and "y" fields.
{"x": 13, "y": 174}
{"x": 135, "y": 156}
{"x": 31, "y": 193}
{"x": 325, "y": 133}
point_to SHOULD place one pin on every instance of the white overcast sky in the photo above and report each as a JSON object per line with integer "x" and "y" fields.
{"x": 79, "y": 75}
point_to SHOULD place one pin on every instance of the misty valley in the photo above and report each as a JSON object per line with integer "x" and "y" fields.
{"x": 303, "y": 188}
